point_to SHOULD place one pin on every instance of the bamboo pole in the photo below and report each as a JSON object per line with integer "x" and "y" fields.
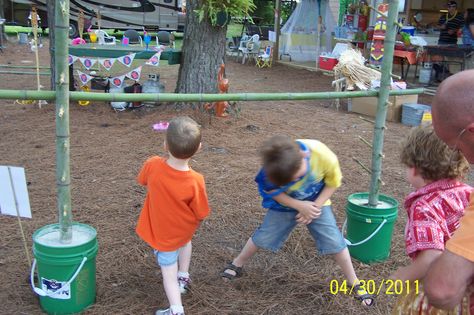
{"x": 63, "y": 176}
{"x": 25, "y": 67}
{"x": 276, "y": 49}
{"x": 34, "y": 24}
{"x": 196, "y": 97}
{"x": 24, "y": 73}
{"x": 382, "y": 104}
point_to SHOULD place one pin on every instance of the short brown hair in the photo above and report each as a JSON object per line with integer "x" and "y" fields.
{"x": 183, "y": 137}
{"x": 281, "y": 159}
{"x": 434, "y": 159}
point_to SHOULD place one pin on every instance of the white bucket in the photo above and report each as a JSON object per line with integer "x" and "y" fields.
{"x": 425, "y": 75}
{"x": 23, "y": 38}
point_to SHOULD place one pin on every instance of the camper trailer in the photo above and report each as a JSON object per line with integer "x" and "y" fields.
{"x": 114, "y": 14}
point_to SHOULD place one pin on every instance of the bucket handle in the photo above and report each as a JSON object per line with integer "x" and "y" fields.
{"x": 348, "y": 243}
{"x": 40, "y": 291}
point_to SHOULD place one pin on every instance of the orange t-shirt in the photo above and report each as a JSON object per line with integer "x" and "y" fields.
{"x": 175, "y": 204}
{"x": 462, "y": 242}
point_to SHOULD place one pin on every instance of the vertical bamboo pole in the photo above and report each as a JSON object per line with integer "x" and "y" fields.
{"x": 276, "y": 49}
{"x": 34, "y": 24}
{"x": 382, "y": 104}
{"x": 63, "y": 176}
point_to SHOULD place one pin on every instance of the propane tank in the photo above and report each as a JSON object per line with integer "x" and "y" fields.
{"x": 153, "y": 85}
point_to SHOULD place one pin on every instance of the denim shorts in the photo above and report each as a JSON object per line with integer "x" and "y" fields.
{"x": 277, "y": 226}
{"x": 166, "y": 258}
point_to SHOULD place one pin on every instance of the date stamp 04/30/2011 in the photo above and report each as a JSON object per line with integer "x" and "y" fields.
{"x": 383, "y": 286}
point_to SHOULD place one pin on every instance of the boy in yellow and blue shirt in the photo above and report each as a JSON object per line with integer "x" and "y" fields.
{"x": 296, "y": 181}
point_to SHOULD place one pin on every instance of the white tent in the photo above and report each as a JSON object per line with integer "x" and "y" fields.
{"x": 299, "y": 36}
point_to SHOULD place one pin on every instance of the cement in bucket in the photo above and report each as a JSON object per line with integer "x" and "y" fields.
{"x": 369, "y": 229}
{"x": 66, "y": 272}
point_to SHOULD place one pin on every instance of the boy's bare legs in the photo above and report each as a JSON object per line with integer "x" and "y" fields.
{"x": 247, "y": 252}
{"x": 184, "y": 258}
{"x": 343, "y": 259}
{"x": 170, "y": 283}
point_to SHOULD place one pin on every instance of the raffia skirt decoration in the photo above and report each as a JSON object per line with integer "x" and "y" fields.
{"x": 417, "y": 304}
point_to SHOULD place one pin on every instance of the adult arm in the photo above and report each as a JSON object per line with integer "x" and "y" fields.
{"x": 442, "y": 22}
{"x": 419, "y": 267}
{"x": 471, "y": 30}
{"x": 447, "y": 280}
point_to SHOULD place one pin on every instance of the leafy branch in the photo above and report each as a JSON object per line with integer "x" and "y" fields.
{"x": 212, "y": 8}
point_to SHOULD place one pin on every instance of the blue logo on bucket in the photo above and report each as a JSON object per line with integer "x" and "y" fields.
{"x": 62, "y": 292}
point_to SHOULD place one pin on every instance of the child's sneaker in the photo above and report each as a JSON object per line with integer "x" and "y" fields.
{"x": 183, "y": 283}
{"x": 167, "y": 312}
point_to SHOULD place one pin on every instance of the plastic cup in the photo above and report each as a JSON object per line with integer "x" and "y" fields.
{"x": 93, "y": 37}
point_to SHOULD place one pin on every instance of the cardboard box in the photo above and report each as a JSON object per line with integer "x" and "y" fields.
{"x": 368, "y": 106}
{"x": 327, "y": 62}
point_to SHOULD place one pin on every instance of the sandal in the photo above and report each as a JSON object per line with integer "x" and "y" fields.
{"x": 230, "y": 266}
{"x": 362, "y": 295}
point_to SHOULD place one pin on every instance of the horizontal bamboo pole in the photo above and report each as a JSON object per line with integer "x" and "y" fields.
{"x": 24, "y": 67}
{"x": 173, "y": 97}
{"x": 23, "y": 73}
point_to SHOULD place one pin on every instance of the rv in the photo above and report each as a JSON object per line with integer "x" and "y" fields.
{"x": 114, "y": 14}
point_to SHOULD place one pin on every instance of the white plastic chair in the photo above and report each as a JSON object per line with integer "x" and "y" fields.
{"x": 250, "y": 48}
{"x": 104, "y": 38}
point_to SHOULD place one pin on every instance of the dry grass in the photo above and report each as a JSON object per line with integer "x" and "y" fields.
{"x": 107, "y": 150}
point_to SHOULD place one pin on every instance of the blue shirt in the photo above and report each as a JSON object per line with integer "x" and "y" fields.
{"x": 467, "y": 38}
{"x": 323, "y": 169}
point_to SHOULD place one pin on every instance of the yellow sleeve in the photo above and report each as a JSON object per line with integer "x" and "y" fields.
{"x": 326, "y": 163}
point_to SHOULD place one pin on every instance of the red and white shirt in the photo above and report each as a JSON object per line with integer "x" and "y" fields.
{"x": 434, "y": 212}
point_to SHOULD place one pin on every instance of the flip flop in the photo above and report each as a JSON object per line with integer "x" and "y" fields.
{"x": 230, "y": 266}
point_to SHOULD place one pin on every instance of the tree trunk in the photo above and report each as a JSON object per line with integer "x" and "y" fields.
{"x": 51, "y": 28}
{"x": 2, "y": 9}
{"x": 2, "y": 16}
{"x": 203, "y": 52}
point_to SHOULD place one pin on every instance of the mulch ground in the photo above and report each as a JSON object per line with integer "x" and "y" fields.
{"x": 107, "y": 151}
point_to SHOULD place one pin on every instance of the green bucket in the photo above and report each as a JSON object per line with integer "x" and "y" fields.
{"x": 369, "y": 229}
{"x": 66, "y": 272}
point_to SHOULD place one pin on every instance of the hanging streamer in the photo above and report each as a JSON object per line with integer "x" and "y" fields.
{"x": 117, "y": 81}
{"x": 84, "y": 77}
{"x": 71, "y": 59}
{"x": 134, "y": 74}
{"x": 127, "y": 59}
{"x": 154, "y": 60}
{"x": 107, "y": 63}
{"x": 88, "y": 62}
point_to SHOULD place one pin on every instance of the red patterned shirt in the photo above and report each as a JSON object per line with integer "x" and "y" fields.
{"x": 433, "y": 214}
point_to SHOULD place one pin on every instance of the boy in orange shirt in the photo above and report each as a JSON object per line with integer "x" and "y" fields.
{"x": 175, "y": 204}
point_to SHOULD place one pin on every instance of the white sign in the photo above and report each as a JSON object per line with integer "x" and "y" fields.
{"x": 13, "y": 192}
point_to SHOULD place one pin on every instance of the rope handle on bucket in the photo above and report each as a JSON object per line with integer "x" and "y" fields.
{"x": 40, "y": 291}
{"x": 367, "y": 239}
